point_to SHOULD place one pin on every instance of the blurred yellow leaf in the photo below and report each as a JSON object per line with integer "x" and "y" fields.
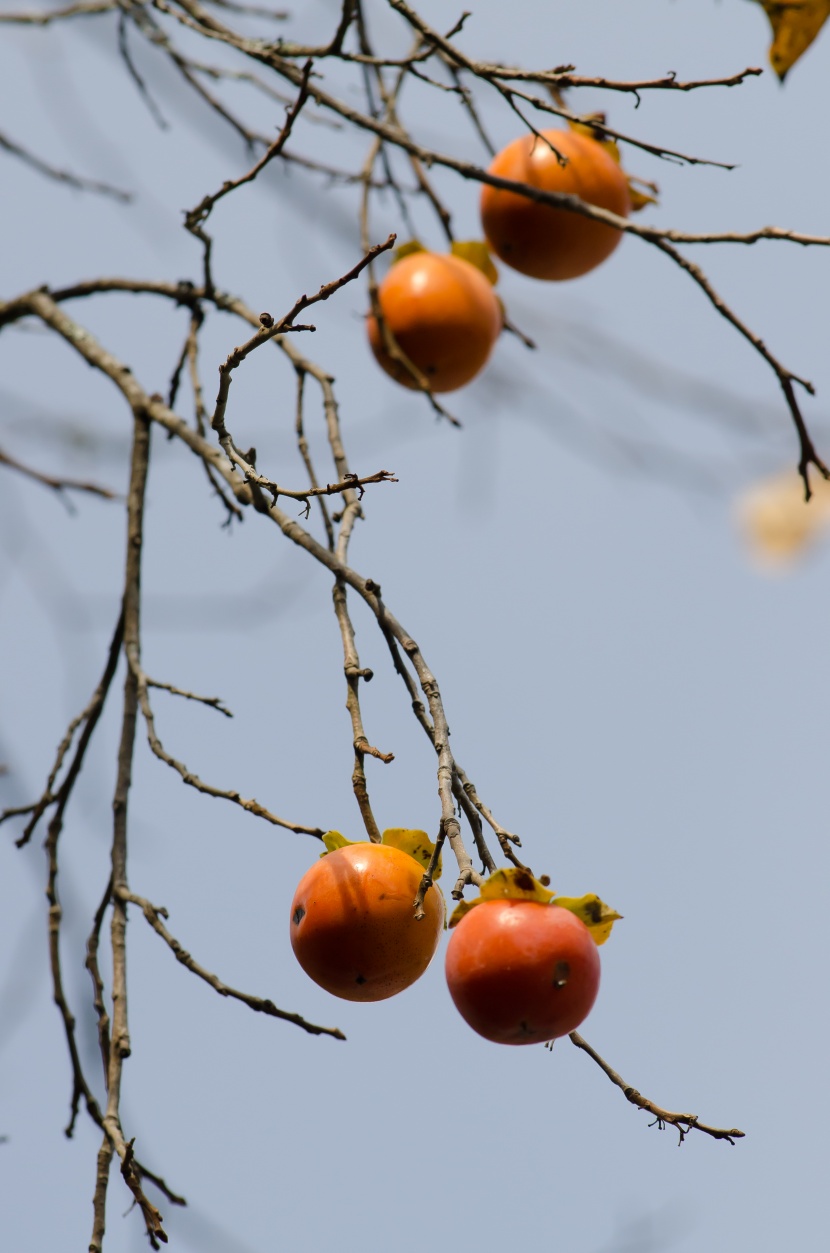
{"x": 776, "y": 521}
{"x": 406, "y": 250}
{"x": 598, "y": 917}
{"x": 640, "y": 199}
{"x": 795, "y": 24}
{"x": 478, "y": 254}
{"x": 591, "y": 126}
{"x": 416, "y": 843}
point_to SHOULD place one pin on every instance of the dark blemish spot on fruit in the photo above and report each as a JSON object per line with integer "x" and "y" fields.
{"x": 382, "y": 896}
{"x": 524, "y": 1029}
{"x": 298, "y": 915}
{"x": 360, "y": 979}
{"x": 524, "y": 881}
{"x": 561, "y": 974}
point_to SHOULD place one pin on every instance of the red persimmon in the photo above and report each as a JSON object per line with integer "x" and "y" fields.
{"x": 520, "y": 972}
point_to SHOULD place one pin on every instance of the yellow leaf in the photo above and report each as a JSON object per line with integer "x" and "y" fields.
{"x": 639, "y": 199}
{"x": 478, "y": 254}
{"x": 334, "y": 840}
{"x": 795, "y": 24}
{"x": 406, "y": 250}
{"x": 590, "y": 125}
{"x": 416, "y": 843}
{"x": 777, "y": 523}
{"x": 598, "y": 917}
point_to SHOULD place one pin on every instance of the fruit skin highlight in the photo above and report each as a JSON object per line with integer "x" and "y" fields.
{"x": 353, "y": 925}
{"x": 520, "y": 972}
{"x": 444, "y": 315}
{"x": 537, "y": 239}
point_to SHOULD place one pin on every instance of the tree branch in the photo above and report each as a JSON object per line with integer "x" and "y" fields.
{"x": 154, "y": 915}
{"x": 662, "y": 1117}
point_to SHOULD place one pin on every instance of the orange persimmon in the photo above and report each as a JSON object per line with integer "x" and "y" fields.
{"x": 353, "y": 924}
{"x": 443, "y": 315}
{"x": 537, "y": 239}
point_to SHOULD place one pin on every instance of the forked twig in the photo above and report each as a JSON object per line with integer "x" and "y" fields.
{"x": 261, "y": 1005}
{"x": 662, "y": 1117}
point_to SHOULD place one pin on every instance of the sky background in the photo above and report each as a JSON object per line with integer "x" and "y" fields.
{"x": 628, "y": 690}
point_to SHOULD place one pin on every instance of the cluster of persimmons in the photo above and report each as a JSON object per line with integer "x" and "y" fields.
{"x": 522, "y": 965}
{"x": 439, "y": 315}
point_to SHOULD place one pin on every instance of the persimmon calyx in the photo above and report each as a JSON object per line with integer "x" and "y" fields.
{"x": 515, "y": 883}
{"x": 415, "y": 843}
{"x": 473, "y": 250}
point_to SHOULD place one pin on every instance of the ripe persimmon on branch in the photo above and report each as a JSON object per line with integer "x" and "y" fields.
{"x": 187, "y": 34}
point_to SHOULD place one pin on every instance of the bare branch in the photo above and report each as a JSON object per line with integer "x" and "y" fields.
{"x": 213, "y": 702}
{"x": 196, "y": 217}
{"x": 119, "y": 1043}
{"x": 807, "y": 452}
{"x": 260, "y": 1005}
{"x": 128, "y": 8}
{"x": 62, "y": 176}
{"x": 83, "y": 8}
{"x": 59, "y": 485}
{"x": 89, "y": 718}
{"x": 564, "y": 78}
{"x": 663, "y": 1117}
{"x": 269, "y": 329}
{"x": 153, "y": 407}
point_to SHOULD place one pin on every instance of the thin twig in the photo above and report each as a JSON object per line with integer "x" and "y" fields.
{"x": 154, "y": 915}
{"x": 129, "y": 9}
{"x": 305, "y": 451}
{"x": 58, "y": 485}
{"x": 89, "y": 719}
{"x": 83, "y": 8}
{"x": 195, "y": 218}
{"x": 62, "y": 176}
{"x": 807, "y": 451}
{"x": 662, "y": 1117}
{"x": 191, "y": 352}
{"x": 213, "y": 702}
{"x": 270, "y": 329}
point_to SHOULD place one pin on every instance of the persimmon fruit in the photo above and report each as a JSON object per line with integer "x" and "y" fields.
{"x": 537, "y": 239}
{"x": 353, "y": 924}
{"x": 444, "y": 316}
{"x": 520, "y": 972}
